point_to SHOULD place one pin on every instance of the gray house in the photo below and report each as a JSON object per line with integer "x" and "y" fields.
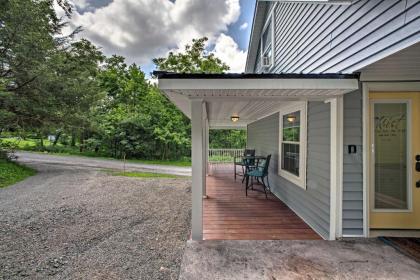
{"x": 349, "y": 73}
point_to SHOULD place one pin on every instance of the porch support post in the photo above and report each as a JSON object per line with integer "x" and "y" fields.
{"x": 206, "y": 141}
{"x": 336, "y": 169}
{"x": 366, "y": 151}
{"x": 198, "y": 176}
{"x": 205, "y": 145}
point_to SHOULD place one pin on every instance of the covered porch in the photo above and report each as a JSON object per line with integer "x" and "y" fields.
{"x": 230, "y": 215}
{"x": 220, "y": 209}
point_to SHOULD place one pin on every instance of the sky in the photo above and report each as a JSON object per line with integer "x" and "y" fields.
{"x": 141, "y": 30}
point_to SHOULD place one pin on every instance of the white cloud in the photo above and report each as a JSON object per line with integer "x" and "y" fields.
{"x": 243, "y": 26}
{"x": 228, "y": 51}
{"x": 81, "y": 4}
{"x": 143, "y": 29}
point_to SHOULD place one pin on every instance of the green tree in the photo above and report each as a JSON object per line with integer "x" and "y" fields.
{"x": 134, "y": 119}
{"x": 227, "y": 139}
{"x": 36, "y": 65}
{"x": 171, "y": 129}
{"x": 75, "y": 85}
{"x": 194, "y": 59}
{"x": 47, "y": 81}
{"x": 121, "y": 124}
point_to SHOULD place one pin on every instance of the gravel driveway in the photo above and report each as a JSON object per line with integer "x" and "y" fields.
{"x": 90, "y": 162}
{"x": 80, "y": 223}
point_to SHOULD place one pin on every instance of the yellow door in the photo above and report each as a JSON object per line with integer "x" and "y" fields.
{"x": 394, "y": 189}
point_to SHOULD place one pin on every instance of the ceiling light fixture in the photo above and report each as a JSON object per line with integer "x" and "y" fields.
{"x": 234, "y": 118}
{"x": 291, "y": 118}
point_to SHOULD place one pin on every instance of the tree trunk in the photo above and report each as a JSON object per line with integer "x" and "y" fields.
{"x": 82, "y": 141}
{"x": 57, "y": 137}
{"x": 73, "y": 139}
{"x": 115, "y": 148}
{"x": 165, "y": 151}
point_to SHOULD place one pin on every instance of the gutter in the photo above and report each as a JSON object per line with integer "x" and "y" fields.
{"x": 173, "y": 75}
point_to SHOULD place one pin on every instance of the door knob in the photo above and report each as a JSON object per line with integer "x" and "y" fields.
{"x": 418, "y": 184}
{"x": 418, "y": 166}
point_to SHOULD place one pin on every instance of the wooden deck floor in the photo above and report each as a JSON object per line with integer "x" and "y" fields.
{"x": 229, "y": 214}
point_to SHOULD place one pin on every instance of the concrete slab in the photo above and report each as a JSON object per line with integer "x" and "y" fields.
{"x": 278, "y": 259}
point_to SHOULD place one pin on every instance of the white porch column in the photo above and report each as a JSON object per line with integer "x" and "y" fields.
{"x": 198, "y": 175}
{"x": 205, "y": 146}
{"x": 336, "y": 161}
{"x": 366, "y": 150}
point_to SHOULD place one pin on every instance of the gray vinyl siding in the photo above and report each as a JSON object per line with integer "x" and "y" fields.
{"x": 312, "y": 204}
{"x": 319, "y": 38}
{"x": 353, "y": 165}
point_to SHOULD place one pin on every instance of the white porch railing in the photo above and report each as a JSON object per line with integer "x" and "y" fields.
{"x": 222, "y": 159}
{"x": 224, "y": 155}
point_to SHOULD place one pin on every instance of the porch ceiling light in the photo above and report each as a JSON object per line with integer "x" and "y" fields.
{"x": 234, "y": 118}
{"x": 291, "y": 118}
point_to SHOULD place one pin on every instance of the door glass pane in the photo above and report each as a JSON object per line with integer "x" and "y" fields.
{"x": 390, "y": 155}
{"x": 290, "y": 156}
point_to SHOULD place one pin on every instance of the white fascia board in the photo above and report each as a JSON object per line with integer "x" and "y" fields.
{"x": 220, "y": 84}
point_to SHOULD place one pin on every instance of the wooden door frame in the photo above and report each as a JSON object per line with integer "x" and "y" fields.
{"x": 366, "y": 88}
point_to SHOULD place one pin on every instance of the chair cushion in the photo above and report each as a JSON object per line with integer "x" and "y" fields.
{"x": 255, "y": 173}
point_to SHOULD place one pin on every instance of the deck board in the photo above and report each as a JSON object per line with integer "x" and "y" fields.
{"x": 229, "y": 214}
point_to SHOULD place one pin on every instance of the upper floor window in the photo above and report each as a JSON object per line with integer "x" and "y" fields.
{"x": 267, "y": 43}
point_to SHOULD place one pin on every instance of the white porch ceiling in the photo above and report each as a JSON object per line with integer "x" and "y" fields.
{"x": 249, "y": 98}
{"x": 219, "y": 112}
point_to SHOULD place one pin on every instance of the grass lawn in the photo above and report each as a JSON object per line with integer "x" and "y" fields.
{"x": 162, "y": 162}
{"x": 11, "y": 173}
{"x": 143, "y": 174}
{"x": 21, "y": 144}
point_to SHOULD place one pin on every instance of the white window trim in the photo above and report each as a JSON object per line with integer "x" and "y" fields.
{"x": 301, "y": 179}
{"x": 271, "y": 19}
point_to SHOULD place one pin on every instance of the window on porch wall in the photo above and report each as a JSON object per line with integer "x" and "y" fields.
{"x": 291, "y": 143}
{"x": 292, "y": 165}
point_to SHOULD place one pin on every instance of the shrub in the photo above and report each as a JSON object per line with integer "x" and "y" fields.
{"x": 7, "y": 150}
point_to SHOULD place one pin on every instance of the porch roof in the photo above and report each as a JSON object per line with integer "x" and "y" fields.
{"x": 251, "y": 96}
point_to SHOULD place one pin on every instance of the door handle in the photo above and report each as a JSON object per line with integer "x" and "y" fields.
{"x": 418, "y": 166}
{"x": 418, "y": 184}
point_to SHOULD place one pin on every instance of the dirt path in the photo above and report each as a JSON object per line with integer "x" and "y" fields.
{"x": 296, "y": 259}
{"x": 71, "y": 222}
